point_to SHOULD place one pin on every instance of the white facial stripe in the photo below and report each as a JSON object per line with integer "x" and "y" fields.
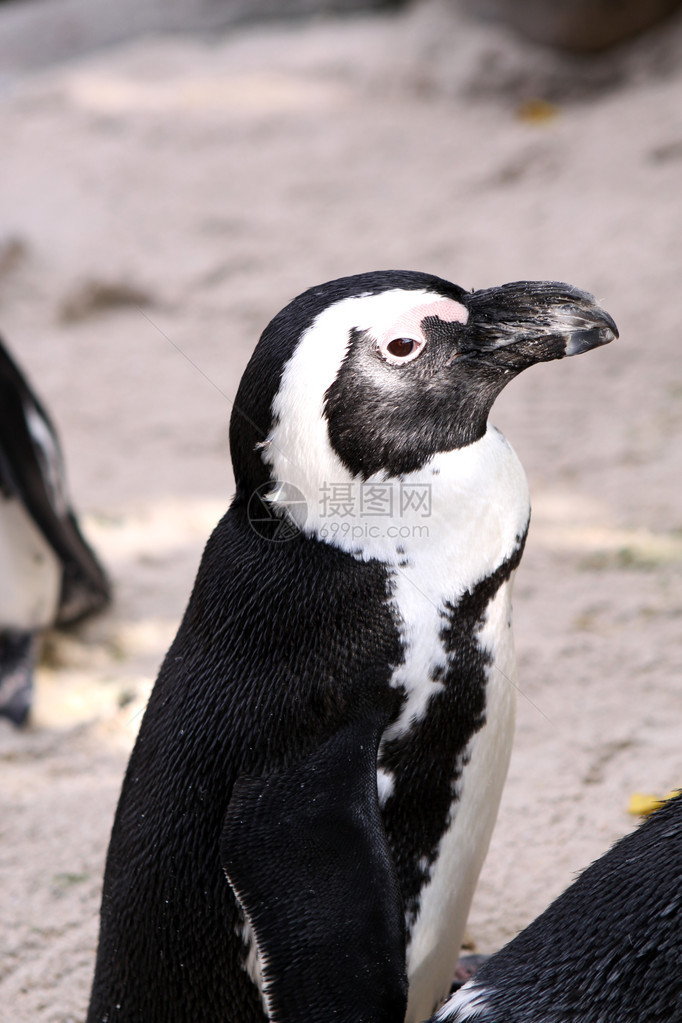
{"x": 300, "y": 451}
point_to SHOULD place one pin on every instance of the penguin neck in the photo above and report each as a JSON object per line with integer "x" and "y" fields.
{"x": 462, "y": 511}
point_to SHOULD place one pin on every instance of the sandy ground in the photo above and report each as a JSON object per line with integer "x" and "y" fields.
{"x": 159, "y": 203}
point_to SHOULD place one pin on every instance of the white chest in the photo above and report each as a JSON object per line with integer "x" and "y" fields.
{"x": 445, "y": 897}
{"x": 479, "y": 514}
{"x": 30, "y": 573}
{"x": 479, "y": 511}
{"x": 441, "y": 532}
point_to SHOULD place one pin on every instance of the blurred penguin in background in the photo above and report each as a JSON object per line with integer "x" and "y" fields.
{"x": 48, "y": 574}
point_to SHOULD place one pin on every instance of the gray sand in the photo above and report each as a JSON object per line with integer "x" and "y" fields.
{"x": 159, "y": 202}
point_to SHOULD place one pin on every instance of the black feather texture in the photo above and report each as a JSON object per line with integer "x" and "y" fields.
{"x": 609, "y": 950}
{"x": 242, "y": 691}
{"x": 333, "y": 937}
{"x": 256, "y": 758}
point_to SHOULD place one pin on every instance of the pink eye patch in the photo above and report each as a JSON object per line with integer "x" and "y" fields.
{"x": 409, "y": 323}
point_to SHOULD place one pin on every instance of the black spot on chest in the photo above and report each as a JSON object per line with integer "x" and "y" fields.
{"x": 428, "y": 760}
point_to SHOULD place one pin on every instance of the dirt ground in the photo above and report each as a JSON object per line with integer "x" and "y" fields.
{"x": 158, "y": 204}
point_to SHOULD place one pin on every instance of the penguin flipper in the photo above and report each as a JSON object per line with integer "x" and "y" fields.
{"x": 306, "y": 854}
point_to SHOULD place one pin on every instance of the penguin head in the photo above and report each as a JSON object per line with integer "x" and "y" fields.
{"x": 374, "y": 374}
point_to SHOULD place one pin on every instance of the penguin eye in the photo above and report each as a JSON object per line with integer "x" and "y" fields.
{"x": 401, "y": 346}
{"x": 402, "y": 349}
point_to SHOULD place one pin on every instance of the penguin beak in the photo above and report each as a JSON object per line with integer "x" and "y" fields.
{"x": 536, "y": 321}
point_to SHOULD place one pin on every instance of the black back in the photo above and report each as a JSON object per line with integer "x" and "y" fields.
{"x": 242, "y": 693}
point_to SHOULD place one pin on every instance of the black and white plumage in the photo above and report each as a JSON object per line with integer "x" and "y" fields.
{"x": 609, "y": 950}
{"x": 48, "y": 573}
{"x": 332, "y": 725}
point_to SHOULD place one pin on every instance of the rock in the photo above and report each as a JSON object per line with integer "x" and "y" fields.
{"x": 93, "y": 295}
{"x": 583, "y": 26}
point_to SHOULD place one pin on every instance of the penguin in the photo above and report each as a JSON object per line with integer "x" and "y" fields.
{"x": 48, "y": 573}
{"x": 320, "y": 763}
{"x": 609, "y": 948}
